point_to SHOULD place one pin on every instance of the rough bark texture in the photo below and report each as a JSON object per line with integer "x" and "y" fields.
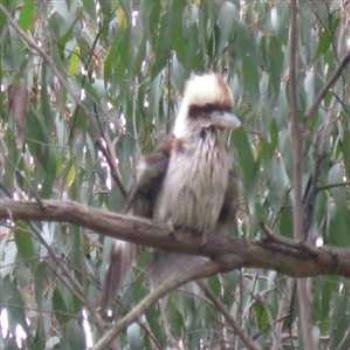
{"x": 275, "y": 253}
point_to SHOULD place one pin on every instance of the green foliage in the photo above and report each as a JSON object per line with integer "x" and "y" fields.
{"x": 27, "y": 15}
{"x": 125, "y": 63}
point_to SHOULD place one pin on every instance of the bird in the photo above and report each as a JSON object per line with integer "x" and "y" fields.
{"x": 188, "y": 182}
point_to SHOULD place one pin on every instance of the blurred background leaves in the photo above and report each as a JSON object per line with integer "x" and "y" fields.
{"x": 126, "y": 63}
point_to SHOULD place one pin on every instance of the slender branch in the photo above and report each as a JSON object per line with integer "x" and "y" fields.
{"x": 248, "y": 342}
{"x": 168, "y": 118}
{"x": 314, "y": 7}
{"x": 330, "y": 82}
{"x": 106, "y": 150}
{"x": 136, "y": 87}
{"x": 32, "y": 45}
{"x": 59, "y": 266}
{"x": 285, "y": 300}
{"x": 297, "y": 146}
{"x": 65, "y": 274}
{"x": 344, "y": 341}
{"x": 297, "y": 151}
{"x": 333, "y": 185}
{"x": 61, "y": 76}
{"x": 201, "y": 270}
{"x": 343, "y": 105}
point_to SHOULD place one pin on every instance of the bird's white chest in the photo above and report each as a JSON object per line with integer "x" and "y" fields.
{"x": 194, "y": 187}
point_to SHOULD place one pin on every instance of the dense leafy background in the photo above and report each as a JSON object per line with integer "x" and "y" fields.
{"x": 126, "y": 62}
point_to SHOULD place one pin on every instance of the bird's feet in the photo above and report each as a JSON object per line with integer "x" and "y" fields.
{"x": 200, "y": 236}
{"x": 188, "y": 234}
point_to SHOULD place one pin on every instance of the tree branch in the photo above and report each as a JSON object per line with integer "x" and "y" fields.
{"x": 297, "y": 142}
{"x": 28, "y": 40}
{"x": 304, "y": 301}
{"x": 204, "y": 269}
{"x": 332, "y": 79}
{"x": 248, "y": 342}
{"x": 283, "y": 255}
{"x": 106, "y": 150}
{"x": 279, "y": 253}
{"x": 333, "y": 185}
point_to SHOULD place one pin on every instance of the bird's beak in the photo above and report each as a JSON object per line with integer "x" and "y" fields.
{"x": 226, "y": 120}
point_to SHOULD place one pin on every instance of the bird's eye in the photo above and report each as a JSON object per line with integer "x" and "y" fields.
{"x": 209, "y": 108}
{"x": 198, "y": 111}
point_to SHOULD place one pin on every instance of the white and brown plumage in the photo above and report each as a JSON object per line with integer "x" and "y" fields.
{"x": 188, "y": 180}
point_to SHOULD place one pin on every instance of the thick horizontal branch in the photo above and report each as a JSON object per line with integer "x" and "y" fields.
{"x": 280, "y": 254}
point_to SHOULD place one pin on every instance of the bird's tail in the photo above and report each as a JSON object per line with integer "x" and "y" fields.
{"x": 165, "y": 265}
{"x": 121, "y": 260}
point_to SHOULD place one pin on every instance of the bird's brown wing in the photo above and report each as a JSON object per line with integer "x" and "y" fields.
{"x": 141, "y": 200}
{"x": 149, "y": 178}
{"x": 230, "y": 207}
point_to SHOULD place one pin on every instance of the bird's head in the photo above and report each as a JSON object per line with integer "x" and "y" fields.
{"x": 206, "y": 105}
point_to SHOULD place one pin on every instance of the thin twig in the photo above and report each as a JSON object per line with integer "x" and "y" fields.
{"x": 341, "y": 102}
{"x": 297, "y": 146}
{"x": 332, "y": 79}
{"x": 170, "y": 283}
{"x": 29, "y": 41}
{"x": 76, "y": 288}
{"x": 133, "y": 115}
{"x": 65, "y": 275}
{"x": 344, "y": 343}
{"x": 106, "y": 150}
{"x": 169, "y": 61}
{"x": 324, "y": 26}
{"x": 61, "y": 76}
{"x": 106, "y": 147}
{"x": 297, "y": 149}
{"x": 334, "y": 185}
{"x": 283, "y": 313}
{"x": 247, "y": 341}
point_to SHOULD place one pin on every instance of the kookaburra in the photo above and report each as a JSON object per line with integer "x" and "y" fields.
{"x": 188, "y": 181}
